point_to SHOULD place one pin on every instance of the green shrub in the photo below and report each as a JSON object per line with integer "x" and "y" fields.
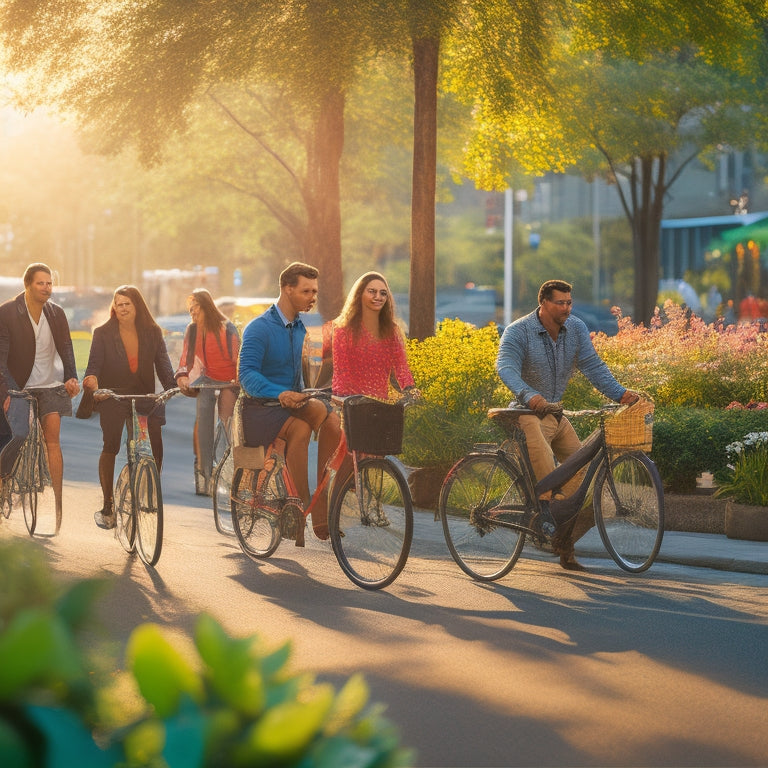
{"x": 234, "y": 704}
{"x": 689, "y": 441}
{"x": 436, "y": 438}
{"x": 456, "y": 372}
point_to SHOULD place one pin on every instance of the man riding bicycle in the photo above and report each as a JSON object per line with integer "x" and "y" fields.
{"x": 538, "y": 355}
{"x": 270, "y": 374}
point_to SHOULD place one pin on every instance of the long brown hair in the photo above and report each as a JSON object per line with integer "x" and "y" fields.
{"x": 213, "y": 317}
{"x": 351, "y": 314}
{"x": 144, "y": 319}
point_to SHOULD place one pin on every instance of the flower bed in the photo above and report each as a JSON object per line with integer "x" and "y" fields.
{"x": 696, "y": 373}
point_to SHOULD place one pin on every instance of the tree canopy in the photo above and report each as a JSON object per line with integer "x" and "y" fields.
{"x": 631, "y": 92}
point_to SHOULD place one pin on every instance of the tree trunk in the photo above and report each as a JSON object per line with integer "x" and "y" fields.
{"x": 422, "y": 286}
{"x": 646, "y": 225}
{"x": 323, "y": 201}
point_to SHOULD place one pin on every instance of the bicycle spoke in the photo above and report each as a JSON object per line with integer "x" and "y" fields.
{"x": 629, "y": 511}
{"x": 481, "y": 502}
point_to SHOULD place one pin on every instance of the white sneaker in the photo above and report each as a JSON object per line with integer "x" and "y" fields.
{"x": 104, "y": 519}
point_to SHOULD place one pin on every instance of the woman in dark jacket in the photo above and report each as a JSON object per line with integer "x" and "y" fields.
{"x": 126, "y": 352}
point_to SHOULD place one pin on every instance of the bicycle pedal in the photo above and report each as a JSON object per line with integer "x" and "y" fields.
{"x": 291, "y": 521}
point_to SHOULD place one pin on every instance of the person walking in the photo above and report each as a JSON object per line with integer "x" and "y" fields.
{"x": 208, "y": 357}
{"x": 271, "y": 379}
{"x": 36, "y": 354}
{"x": 538, "y": 355}
{"x": 126, "y": 353}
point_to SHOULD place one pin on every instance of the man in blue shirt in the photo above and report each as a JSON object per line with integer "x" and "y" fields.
{"x": 270, "y": 374}
{"x": 538, "y": 355}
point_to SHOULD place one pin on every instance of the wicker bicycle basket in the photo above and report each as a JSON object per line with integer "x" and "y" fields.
{"x": 631, "y": 428}
{"x": 373, "y": 427}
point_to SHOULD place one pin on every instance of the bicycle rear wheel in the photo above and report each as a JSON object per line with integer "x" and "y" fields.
{"x": 221, "y": 487}
{"x": 629, "y": 510}
{"x": 481, "y": 498}
{"x": 125, "y": 521}
{"x": 148, "y": 503}
{"x": 371, "y": 537}
{"x": 257, "y": 527}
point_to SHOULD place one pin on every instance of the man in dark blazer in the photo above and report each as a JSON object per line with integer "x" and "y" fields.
{"x": 36, "y": 354}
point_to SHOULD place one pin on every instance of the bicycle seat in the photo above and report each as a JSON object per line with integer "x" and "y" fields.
{"x": 13, "y": 433}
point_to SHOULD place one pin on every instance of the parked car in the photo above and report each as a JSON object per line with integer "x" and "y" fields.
{"x": 596, "y": 317}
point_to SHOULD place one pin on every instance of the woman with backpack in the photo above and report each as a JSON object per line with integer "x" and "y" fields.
{"x": 207, "y": 370}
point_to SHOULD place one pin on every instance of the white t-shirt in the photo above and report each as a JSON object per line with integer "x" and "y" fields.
{"x": 48, "y": 370}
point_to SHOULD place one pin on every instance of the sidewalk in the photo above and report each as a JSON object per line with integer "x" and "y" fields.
{"x": 701, "y": 550}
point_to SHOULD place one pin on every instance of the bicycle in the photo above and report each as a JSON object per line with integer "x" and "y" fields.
{"x": 138, "y": 497}
{"x": 370, "y": 512}
{"x": 490, "y": 501}
{"x": 29, "y": 482}
{"x": 220, "y": 482}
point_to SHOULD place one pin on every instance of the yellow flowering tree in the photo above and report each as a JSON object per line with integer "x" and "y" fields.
{"x": 456, "y": 372}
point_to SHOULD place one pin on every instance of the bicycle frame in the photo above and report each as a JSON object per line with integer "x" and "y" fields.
{"x": 325, "y": 482}
{"x": 593, "y": 454}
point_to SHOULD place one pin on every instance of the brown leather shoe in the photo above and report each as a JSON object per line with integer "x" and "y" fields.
{"x": 562, "y": 544}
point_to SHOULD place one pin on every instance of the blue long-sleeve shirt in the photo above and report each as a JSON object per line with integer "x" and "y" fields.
{"x": 270, "y": 355}
{"x": 531, "y": 363}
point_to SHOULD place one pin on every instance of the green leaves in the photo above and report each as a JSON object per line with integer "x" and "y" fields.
{"x": 228, "y": 702}
{"x": 161, "y": 672}
{"x": 36, "y": 649}
{"x": 234, "y": 675}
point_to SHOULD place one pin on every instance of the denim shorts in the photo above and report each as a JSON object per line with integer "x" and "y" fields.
{"x": 52, "y": 400}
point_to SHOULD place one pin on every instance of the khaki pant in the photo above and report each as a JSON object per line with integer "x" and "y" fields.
{"x": 547, "y": 440}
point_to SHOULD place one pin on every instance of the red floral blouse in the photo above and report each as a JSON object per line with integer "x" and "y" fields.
{"x": 362, "y": 364}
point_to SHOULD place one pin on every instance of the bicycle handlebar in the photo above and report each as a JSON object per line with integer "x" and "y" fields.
{"x": 158, "y": 397}
{"x": 556, "y": 409}
{"x": 198, "y": 384}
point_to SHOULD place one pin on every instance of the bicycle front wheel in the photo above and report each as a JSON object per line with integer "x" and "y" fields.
{"x": 41, "y": 514}
{"x": 482, "y": 499}
{"x": 257, "y": 527}
{"x": 125, "y": 521}
{"x": 29, "y": 507}
{"x": 629, "y": 510}
{"x": 221, "y": 487}
{"x": 371, "y": 535}
{"x": 148, "y": 503}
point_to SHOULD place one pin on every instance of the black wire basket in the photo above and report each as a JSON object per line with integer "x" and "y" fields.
{"x": 373, "y": 427}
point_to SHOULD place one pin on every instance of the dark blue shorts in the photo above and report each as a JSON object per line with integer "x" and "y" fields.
{"x": 262, "y": 423}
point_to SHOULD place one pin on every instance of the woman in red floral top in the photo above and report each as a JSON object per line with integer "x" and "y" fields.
{"x": 368, "y": 346}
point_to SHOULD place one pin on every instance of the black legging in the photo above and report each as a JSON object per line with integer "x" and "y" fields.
{"x": 113, "y": 416}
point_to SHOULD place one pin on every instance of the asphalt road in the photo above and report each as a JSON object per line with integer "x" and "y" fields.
{"x": 544, "y": 668}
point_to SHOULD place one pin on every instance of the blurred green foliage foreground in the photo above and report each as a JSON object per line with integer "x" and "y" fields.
{"x": 223, "y": 701}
